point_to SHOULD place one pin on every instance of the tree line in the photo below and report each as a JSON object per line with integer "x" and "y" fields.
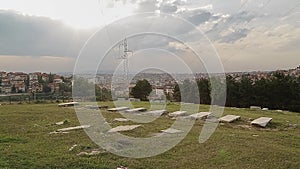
{"x": 278, "y": 91}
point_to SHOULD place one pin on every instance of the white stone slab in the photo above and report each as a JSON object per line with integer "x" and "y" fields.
{"x": 229, "y": 118}
{"x": 262, "y": 121}
{"x": 56, "y": 132}
{"x": 136, "y": 110}
{"x": 74, "y": 128}
{"x": 155, "y": 112}
{"x": 94, "y": 152}
{"x": 255, "y": 107}
{"x": 200, "y": 115}
{"x": 96, "y": 107}
{"x": 123, "y": 128}
{"x": 265, "y": 109}
{"x": 121, "y": 119}
{"x": 60, "y": 123}
{"x": 118, "y": 109}
{"x": 68, "y": 104}
{"x": 171, "y": 131}
{"x": 177, "y": 113}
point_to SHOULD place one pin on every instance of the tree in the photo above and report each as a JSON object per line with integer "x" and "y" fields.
{"x": 246, "y": 92}
{"x": 176, "y": 93}
{"x": 13, "y": 89}
{"x": 189, "y": 92}
{"x": 204, "y": 90}
{"x": 233, "y": 95}
{"x": 82, "y": 88}
{"x": 46, "y": 89}
{"x": 51, "y": 78}
{"x": 141, "y": 90}
{"x": 102, "y": 94}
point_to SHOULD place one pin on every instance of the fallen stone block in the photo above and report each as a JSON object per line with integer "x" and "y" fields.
{"x": 70, "y": 104}
{"x": 136, "y": 110}
{"x": 255, "y": 107}
{"x": 200, "y": 115}
{"x": 96, "y": 107}
{"x": 73, "y": 128}
{"x": 122, "y": 167}
{"x": 118, "y": 109}
{"x": 94, "y": 152}
{"x": 56, "y": 132}
{"x": 121, "y": 119}
{"x": 177, "y": 113}
{"x": 123, "y": 128}
{"x": 72, "y": 148}
{"x": 262, "y": 121}
{"x": 229, "y": 118}
{"x": 156, "y": 112}
{"x": 171, "y": 131}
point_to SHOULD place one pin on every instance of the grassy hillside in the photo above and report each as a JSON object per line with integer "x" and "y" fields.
{"x": 25, "y": 141}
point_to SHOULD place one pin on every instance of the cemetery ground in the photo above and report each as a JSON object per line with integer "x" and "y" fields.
{"x": 25, "y": 141}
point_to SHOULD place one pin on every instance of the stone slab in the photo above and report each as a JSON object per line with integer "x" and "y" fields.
{"x": 118, "y": 109}
{"x": 155, "y": 112}
{"x": 177, "y": 113}
{"x": 200, "y": 115}
{"x": 229, "y": 118}
{"x": 121, "y": 119}
{"x": 255, "y": 107}
{"x": 68, "y": 104}
{"x": 171, "y": 131}
{"x": 73, "y": 128}
{"x": 123, "y": 128}
{"x": 262, "y": 121}
{"x": 136, "y": 110}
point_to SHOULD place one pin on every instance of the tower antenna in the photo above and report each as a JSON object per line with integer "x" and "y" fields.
{"x": 124, "y": 52}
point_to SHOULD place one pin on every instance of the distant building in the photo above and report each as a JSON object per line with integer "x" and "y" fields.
{"x": 58, "y": 81}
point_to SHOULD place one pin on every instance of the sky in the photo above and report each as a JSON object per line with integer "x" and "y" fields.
{"x": 245, "y": 35}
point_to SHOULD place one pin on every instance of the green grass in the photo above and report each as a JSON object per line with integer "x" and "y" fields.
{"x": 25, "y": 141}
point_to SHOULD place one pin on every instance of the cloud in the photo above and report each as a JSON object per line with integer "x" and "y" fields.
{"x": 31, "y": 64}
{"x": 237, "y": 25}
{"x": 235, "y": 35}
{"x": 37, "y": 36}
{"x": 255, "y": 28}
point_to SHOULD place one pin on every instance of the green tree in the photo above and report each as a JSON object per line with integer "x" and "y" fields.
{"x": 176, "y": 93}
{"x": 246, "y": 92}
{"x": 203, "y": 86}
{"x": 51, "y": 78}
{"x": 40, "y": 80}
{"x": 46, "y": 89}
{"x": 103, "y": 94}
{"x": 189, "y": 92}
{"x": 82, "y": 88}
{"x": 141, "y": 90}
{"x": 13, "y": 89}
{"x": 233, "y": 95}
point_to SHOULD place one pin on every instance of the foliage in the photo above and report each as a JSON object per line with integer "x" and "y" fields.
{"x": 46, "y": 89}
{"x": 13, "y": 89}
{"x": 176, "y": 93}
{"x": 276, "y": 92}
{"x": 141, "y": 90}
{"x": 103, "y": 94}
{"x": 82, "y": 88}
{"x": 51, "y": 78}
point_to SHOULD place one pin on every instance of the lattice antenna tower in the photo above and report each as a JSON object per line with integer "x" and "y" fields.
{"x": 124, "y": 53}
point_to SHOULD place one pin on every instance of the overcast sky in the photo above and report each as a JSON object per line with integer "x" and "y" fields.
{"x": 248, "y": 35}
